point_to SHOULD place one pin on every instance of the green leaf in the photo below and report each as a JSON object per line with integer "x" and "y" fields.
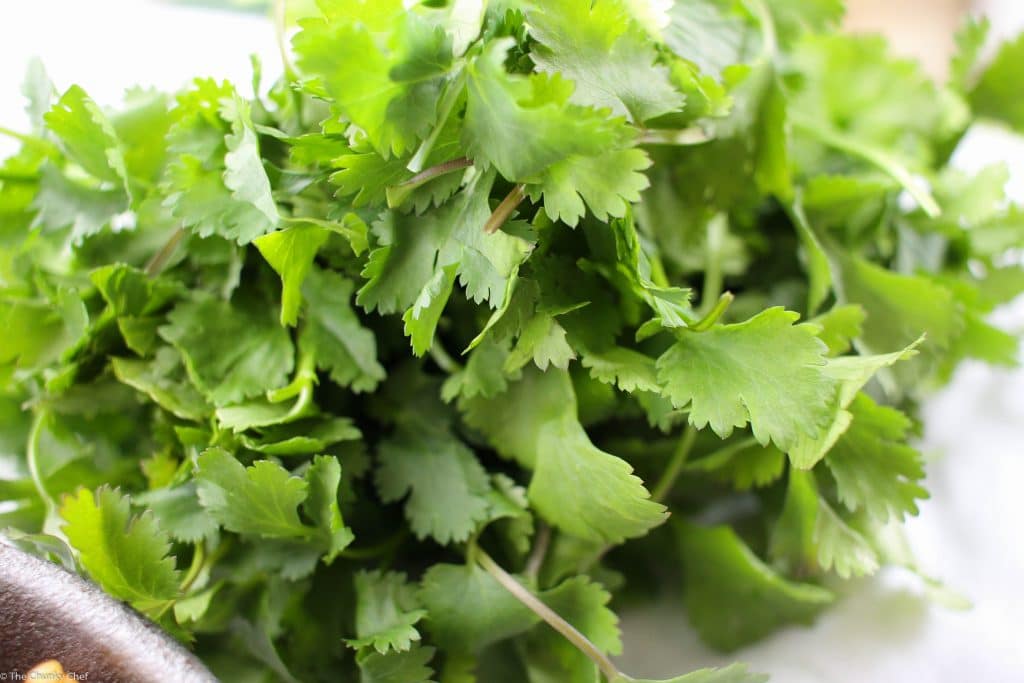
{"x": 87, "y": 136}
{"x": 900, "y": 308}
{"x": 63, "y": 203}
{"x": 260, "y": 500}
{"x": 523, "y": 125}
{"x": 231, "y": 352}
{"x": 872, "y": 464}
{"x": 628, "y": 369}
{"x": 163, "y": 379}
{"x": 421, "y": 319}
{"x": 323, "y": 479}
{"x": 381, "y": 65}
{"x": 178, "y": 512}
{"x": 850, "y": 373}
{"x": 766, "y": 372}
{"x": 576, "y": 486}
{"x": 290, "y": 253}
{"x": 732, "y": 597}
{"x": 446, "y": 485}
{"x": 396, "y": 667}
{"x": 810, "y": 535}
{"x": 611, "y": 60}
{"x": 244, "y": 174}
{"x": 608, "y": 183}
{"x": 468, "y": 610}
{"x": 334, "y": 335}
{"x": 126, "y": 555}
{"x": 995, "y": 94}
{"x": 387, "y": 611}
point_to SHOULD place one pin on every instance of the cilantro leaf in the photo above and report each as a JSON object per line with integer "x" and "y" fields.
{"x": 334, "y": 335}
{"x": 290, "y": 253}
{"x": 576, "y": 486}
{"x": 612, "y": 62}
{"x": 88, "y": 137}
{"x": 231, "y": 352}
{"x": 994, "y": 94}
{"x": 382, "y": 65}
{"x": 386, "y": 612}
{"x": 873, "y": 466}
{"x": 446, "y": 485}
{"x": 766, "y": 372}
{"x": 468, "y": 610}
{"x": 522, "y": 125}
{"x": 260, "y": 500}
{"x": 126, "y": 555}
{"x": 721, "y": 572}
{"x": 396, "y": 667}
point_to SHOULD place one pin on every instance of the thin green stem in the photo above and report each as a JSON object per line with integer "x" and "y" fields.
{"x": 29, "y": 140}
{"x": 534, "y": 604}
{"x": 451, "y": 96}
{"x": 281, "y": 34}
{"x": 714, "y": 243}
{"x": 770, "y": 49}
{"x": 161, "y": 258}
{"x": 541, "y": 543}
{"x": 873, "y": 155}
{"x": 675, "y": 464}
{"x": 196, "y": 568}
{"x": 682, "y": 137}
{"x": 716, "y": 312}
{"x": 444, "y": 359}
{"x": 397, "y": 194}
{"x": 32, "y": 458}
{"x": 504, "y": 210}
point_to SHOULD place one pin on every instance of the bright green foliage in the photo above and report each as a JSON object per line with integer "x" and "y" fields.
{"x": 477, "y": 293}
{"x": 386, "y": 612}
{"x": 231, "y": 353}
{"x": 469, "y": 610}
{"x": 446, "y": 485}
{"x": 291, "y": 252}
{"x": 765, "y": 371}
{"x": 261, "y": 500}
{"x": 126, "y": 555}
{"x": 723, "y": 573}
{"x": 873, "y": 466}
{"x": 995, "y": 93}
{"x": 608, "y": 58}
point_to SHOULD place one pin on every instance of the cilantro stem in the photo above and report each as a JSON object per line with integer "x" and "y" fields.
{"x": 444, "y": 359}
{"x": 684, "y": 137}
{"x": 770, "y": 49}
{"x": 198, "y": 562}
{"x": 715, "y": 313}
{"x": 534, "y": 604}
{"x": 874, "y": 155}
{"x": 160, "y": 258}
{"x": 280, "y": 34}
{"x": 397, "y": 194}
{"x": 32, "y": 460}
{"x": 504, "y": 210}
{"x": 714, "y": 243}
{"x": 29, "y": 140}
{"x": 451, "y": 96}
{"x": 675, "y": 464}
{"x": 540, "y": 550}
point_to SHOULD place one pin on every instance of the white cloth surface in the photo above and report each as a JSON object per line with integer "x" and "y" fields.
{"x": 968, "y": 533}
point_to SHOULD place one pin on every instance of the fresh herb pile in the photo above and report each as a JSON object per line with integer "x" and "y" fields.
{"x": 368, "y": 376}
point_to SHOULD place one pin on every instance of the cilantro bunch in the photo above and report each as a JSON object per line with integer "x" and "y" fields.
{"x": 396, "y": 371}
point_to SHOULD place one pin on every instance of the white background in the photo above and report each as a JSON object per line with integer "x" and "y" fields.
{"x": 969, "y": 533}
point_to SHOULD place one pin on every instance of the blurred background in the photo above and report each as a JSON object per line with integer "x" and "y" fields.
{"x": 968, "y": 535}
